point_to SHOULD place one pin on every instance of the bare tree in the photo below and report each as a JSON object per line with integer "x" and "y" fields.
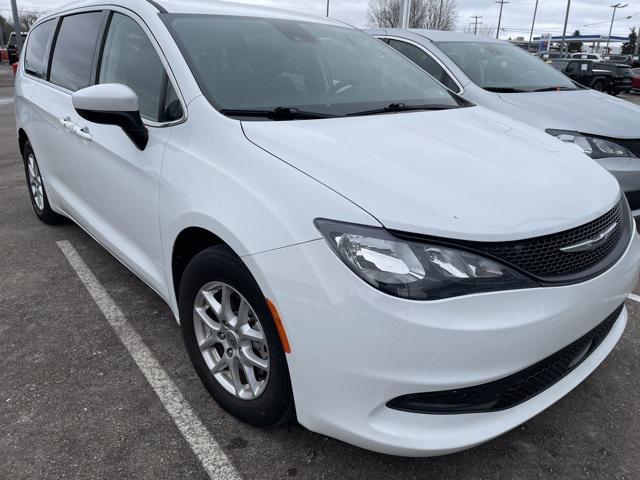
{"x": 442, "y": 14}
{"x": 27, "y": 19}
{"x": 432, "y": 14}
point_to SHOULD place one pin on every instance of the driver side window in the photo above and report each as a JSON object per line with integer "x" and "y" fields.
{"x": 129, "y": 58}
{"x": 426, "y": 62}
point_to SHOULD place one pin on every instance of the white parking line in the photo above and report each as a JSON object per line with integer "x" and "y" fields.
{"x": 208, "y": 451}
{"x": 634, "y": 297}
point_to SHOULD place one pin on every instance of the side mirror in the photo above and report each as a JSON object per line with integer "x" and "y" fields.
{"x": 112, "y": 104}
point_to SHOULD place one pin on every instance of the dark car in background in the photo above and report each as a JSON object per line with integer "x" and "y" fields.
{"x": 587, "y": 73}
{"x": 13, "y": 49}
{"x": 622, "y": 77}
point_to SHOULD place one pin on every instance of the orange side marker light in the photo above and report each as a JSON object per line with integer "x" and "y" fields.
{"x": 279, "y": 326}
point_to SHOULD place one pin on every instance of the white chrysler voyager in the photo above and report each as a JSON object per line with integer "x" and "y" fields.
{"x": 342, "y": 239}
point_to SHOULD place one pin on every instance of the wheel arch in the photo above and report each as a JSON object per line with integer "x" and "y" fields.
{"x": 22, "y": 140}
{"x": 187, "y": 244}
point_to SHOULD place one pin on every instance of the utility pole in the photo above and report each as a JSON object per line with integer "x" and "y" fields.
{"x": 501, "y": 2}
{"x": 327, "y": 8}
{"x": 533, "y": 23}
{"x": 16, "y": 25}
{"x": 613, "y": 17}
{"x": 475, "y": 23}
{"x": 406, "y": 9}
{"x": 564, "y": 31}
{"x": 635, "y": 52}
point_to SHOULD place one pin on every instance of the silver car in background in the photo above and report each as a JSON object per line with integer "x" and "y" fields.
{"x": 505, "y": 78}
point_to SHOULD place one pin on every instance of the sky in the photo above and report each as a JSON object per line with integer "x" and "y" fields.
{"x": 589, "y": 16}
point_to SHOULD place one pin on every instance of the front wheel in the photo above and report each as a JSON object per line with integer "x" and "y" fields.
{"x": 599, "y": 86}
{"x": 232, "y": 339}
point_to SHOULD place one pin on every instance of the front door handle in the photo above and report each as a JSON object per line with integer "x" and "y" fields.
{"x": 82, "y": 132}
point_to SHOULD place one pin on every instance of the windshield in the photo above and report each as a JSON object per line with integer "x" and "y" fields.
{"x": 260, "y": 64}
{"x": 504, "y": 67}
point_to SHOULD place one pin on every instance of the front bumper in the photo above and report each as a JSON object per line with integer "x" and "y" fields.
{"x": 354, "y": 348}
{"x": 626, "y": 170}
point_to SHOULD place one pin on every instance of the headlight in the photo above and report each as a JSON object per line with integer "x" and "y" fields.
{"x": 415, "y": 270}
{"x": 593, "y": 146}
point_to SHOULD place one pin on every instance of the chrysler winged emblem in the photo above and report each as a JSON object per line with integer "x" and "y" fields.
{"x": 592, "y": 243}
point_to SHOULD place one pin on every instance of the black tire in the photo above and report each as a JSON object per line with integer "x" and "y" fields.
{"x": 43, "y": 212}
{"x": 275, "y": 405}
{"x": 598, "y": 86}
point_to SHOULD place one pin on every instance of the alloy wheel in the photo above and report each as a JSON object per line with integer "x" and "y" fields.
{"x": 231, "y": 340}
{"x": 35, "y": 182}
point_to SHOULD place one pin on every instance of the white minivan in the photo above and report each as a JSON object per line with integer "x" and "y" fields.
{"x": 341, "y": 238}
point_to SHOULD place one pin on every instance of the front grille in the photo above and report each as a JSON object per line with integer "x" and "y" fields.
{"x": 514, "y": 389}
{"x": 634, "y": 200}
{"x": 632, "y": 145}
{"x": 542, "y": 257}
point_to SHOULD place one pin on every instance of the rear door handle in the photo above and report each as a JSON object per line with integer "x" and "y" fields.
{"x": 67, "y": 124}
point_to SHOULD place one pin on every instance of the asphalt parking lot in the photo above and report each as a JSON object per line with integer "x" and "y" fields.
{"x": 75, "y": 404}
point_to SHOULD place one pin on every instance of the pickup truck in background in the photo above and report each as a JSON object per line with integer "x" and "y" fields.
{"x": 586, "y": 72}
{"x": 622, "y": 77}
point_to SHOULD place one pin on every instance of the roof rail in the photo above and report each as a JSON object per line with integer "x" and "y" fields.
{"x": 160, "y": 8}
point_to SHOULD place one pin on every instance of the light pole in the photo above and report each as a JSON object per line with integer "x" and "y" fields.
{"x": 501, "y": 2}
{"x": 327, "y": 8}
{"x": 564, "y": 31}
{"x": 535, "y": 13}
{"x": 613, "y": 17}
{"x": 16, "y": 25}
{"x": 406, "y": 9}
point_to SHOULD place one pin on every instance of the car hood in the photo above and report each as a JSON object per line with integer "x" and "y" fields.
{"x": 585, "y": 111}
{"x": 467, "y": 173}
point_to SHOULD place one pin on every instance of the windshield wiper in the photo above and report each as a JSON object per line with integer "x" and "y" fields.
{"x": 401, "y": 107}
{"x": 553, "y": 89}
{"x": 279, "y": 113}
{"x": 506, "y": 90}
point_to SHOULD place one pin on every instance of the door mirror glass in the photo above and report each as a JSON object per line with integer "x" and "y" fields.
{"x": 112, "y": 104}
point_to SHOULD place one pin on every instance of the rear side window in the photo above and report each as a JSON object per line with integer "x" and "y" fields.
{"x": 74, "y": 50}
{"x": 426, "y": 62}
{"x": 36, "y": 58}
{"x": 129, "y": 58}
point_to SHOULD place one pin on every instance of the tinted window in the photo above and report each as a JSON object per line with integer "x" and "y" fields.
{"x": 74, "y": 49}
{"x": 12, "y": 38}
{"x": 36, "y": 59}
{"x": 172, "y": 108}
{"x": 129, "y": 58}
{"x": 426, "y": 62}
{"x": 247, "y": 63}
{"x": 497, "y": 66}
